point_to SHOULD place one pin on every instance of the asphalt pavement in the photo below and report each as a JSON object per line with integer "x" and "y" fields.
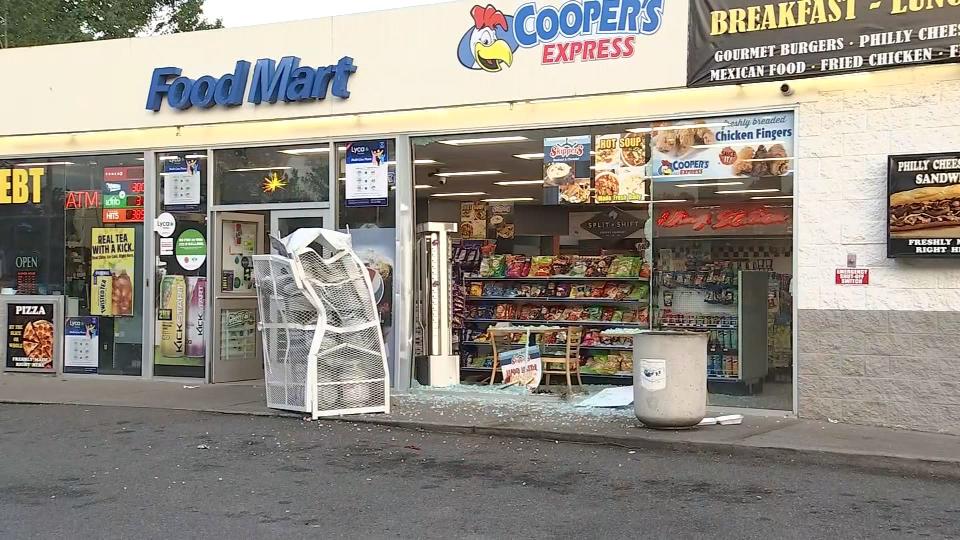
{"x": 100, "y": 472}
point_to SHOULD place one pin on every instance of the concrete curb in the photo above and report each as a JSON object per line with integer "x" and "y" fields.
{"x": 873, "y": 462}
{"x": 865, "y": 461}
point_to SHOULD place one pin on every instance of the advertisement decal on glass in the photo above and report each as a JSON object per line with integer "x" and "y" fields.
{"x": 173, "y": 303}
{"x": 181, "y": 184}
{"x": 923, "y": 215}
{"x": 21, "y": 186}
{"x": 473, "y": 220}
{"x": 30, "y": 336}
{"x": 81, "y": 344}
{"x": 367, "y": 180}
{"x": 566, "y": 166}
{"x": 731, "y": 148}
{"x": 573, "y": 32}
{"x": 112, "y": 269}
{"x": 196, "y": 309}
{"x": 77, "y": 200}
{"x": 191, "y": 249}
{"x": 28, "y": 266}
{"x": 743, "y": 41}
{"x": 522, "y": 366}
{"x": 621, "y": 173}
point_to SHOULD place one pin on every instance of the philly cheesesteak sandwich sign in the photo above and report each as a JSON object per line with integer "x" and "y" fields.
{"x": 744, "y": 41}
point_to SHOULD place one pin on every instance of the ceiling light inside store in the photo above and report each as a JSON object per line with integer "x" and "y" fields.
{"x": 422, "y": 186}
{"x": 261, "y": 169}
{"x": 529, "y": 156}
{"x": 469, "y": 173}
{"x": 640, "y": 130}
{"x": 520, "y": 183}
{"x": 464, "y": 194}
{"x": 45, "y": 163}
{"x": 736, "y": 191}
{"x": 724, "y": 145}
{"x": 168, "y": 158}
{"x": 710, "y": 184}
{"x": 510, "y": 199}
{"x": 484, "y": 140}
{"x": 773, "y": 197}
{"x": 415, "y": 162}
{"x": 196, "y": 156}
{"x": 341, "y": 149}
{"x": 302, "y": 151}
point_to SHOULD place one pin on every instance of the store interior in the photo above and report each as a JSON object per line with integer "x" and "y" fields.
{"x": 652, "y": 225}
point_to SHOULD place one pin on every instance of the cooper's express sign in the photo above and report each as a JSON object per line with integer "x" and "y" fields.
{"x": 20, "y": 186}
{"x": 273, "y": 81}
{"x": 740, "y": 41}
{"x": 573, "y": 32}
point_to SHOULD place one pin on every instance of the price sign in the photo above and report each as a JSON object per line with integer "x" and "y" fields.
{"x": 123, "y": 215}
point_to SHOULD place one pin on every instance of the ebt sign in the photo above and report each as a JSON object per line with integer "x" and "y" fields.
{"x": 576, "y": 31}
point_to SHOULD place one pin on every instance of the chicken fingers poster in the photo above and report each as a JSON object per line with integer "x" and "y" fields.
{"x": 112, "y": 272}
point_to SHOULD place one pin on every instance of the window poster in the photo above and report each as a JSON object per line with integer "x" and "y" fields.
{"x": 181, "y": 184}
{"x": 621, "y": 173}
{"x": 367, "y": 178}
{"x": 30, "y": 335}
{"x": 566, "y": 166}
{"x": 81, "y": 344}
{"x": 732, "y": 148}
{"x": 112, "y": 271}
{"x": 473, "y": 220}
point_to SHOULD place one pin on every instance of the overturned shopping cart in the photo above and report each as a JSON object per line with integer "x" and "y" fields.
{"x": 323, "y": 349}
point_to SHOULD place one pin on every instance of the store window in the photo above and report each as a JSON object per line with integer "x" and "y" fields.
{"x": 681, "y": 224}
{"x": 182, "y": 303}
{"x": 366, "y": 171}
{"x": 273, "y": 174}
{"x": 76, "y": 228}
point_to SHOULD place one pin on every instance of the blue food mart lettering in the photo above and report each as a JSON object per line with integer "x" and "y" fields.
{"x": 273, "y": 81}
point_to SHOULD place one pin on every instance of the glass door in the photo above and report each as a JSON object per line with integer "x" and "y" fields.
{"x": 284, "y": 222}
{"x": 237, "y": 347}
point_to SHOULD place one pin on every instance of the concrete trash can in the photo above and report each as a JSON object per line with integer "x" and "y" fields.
{"x": 670, "y": 378}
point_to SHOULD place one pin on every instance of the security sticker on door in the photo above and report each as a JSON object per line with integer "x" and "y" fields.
{"x": 653, "y": 374}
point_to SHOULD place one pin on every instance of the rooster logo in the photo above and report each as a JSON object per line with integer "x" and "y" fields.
{"x": 489, "y": 44}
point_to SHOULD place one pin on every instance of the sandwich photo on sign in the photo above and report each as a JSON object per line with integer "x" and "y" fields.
{"x": 924, "y": 205}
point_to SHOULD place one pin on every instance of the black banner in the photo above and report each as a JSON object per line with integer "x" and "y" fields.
{"x": 30, "y": 336}
{"x": 744, "y": 41}
{"x": 923, "y": 218}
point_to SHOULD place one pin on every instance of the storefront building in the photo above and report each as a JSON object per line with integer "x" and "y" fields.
{"x": 586, "y": 175}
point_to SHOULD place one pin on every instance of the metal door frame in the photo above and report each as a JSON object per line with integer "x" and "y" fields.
{"x": 214, "y": 267}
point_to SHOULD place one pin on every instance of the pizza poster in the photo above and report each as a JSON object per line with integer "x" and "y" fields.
{"x": 112, "y": 271}
{"x": 30, "y": 336}
{"x": 923, "y": 216}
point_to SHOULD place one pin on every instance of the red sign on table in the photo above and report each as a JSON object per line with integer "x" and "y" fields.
{"x": 853, "y": 276}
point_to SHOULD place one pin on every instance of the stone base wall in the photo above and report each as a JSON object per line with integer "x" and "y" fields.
{"x": 884, "y": 368}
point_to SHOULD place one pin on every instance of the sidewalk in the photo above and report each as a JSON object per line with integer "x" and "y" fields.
{"x": 486, "y": 411}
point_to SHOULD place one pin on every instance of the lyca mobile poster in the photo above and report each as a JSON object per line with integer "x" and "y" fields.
{"x": 112, "y": 270}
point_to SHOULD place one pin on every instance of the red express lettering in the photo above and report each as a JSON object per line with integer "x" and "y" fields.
{"x": 589, "y": 50}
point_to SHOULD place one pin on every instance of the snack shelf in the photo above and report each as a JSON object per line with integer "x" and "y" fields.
{"x": 591, "y": 347}
{"x": 699, "y": 327}
{"x": 557, "y": 300}
{"x": 558, "y": 278}
{"x": 597, "y": 378}
{"x": 568, "y": 323}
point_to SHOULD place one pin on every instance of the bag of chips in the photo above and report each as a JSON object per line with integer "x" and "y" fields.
{"x": 623, "y": 267}
{"x": 493, "y": 266}
{"x": 541, "y": 266}
{"x": 518, "y": 266}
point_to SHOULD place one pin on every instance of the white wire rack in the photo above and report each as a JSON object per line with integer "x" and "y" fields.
{"x": 323, "y": 348}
